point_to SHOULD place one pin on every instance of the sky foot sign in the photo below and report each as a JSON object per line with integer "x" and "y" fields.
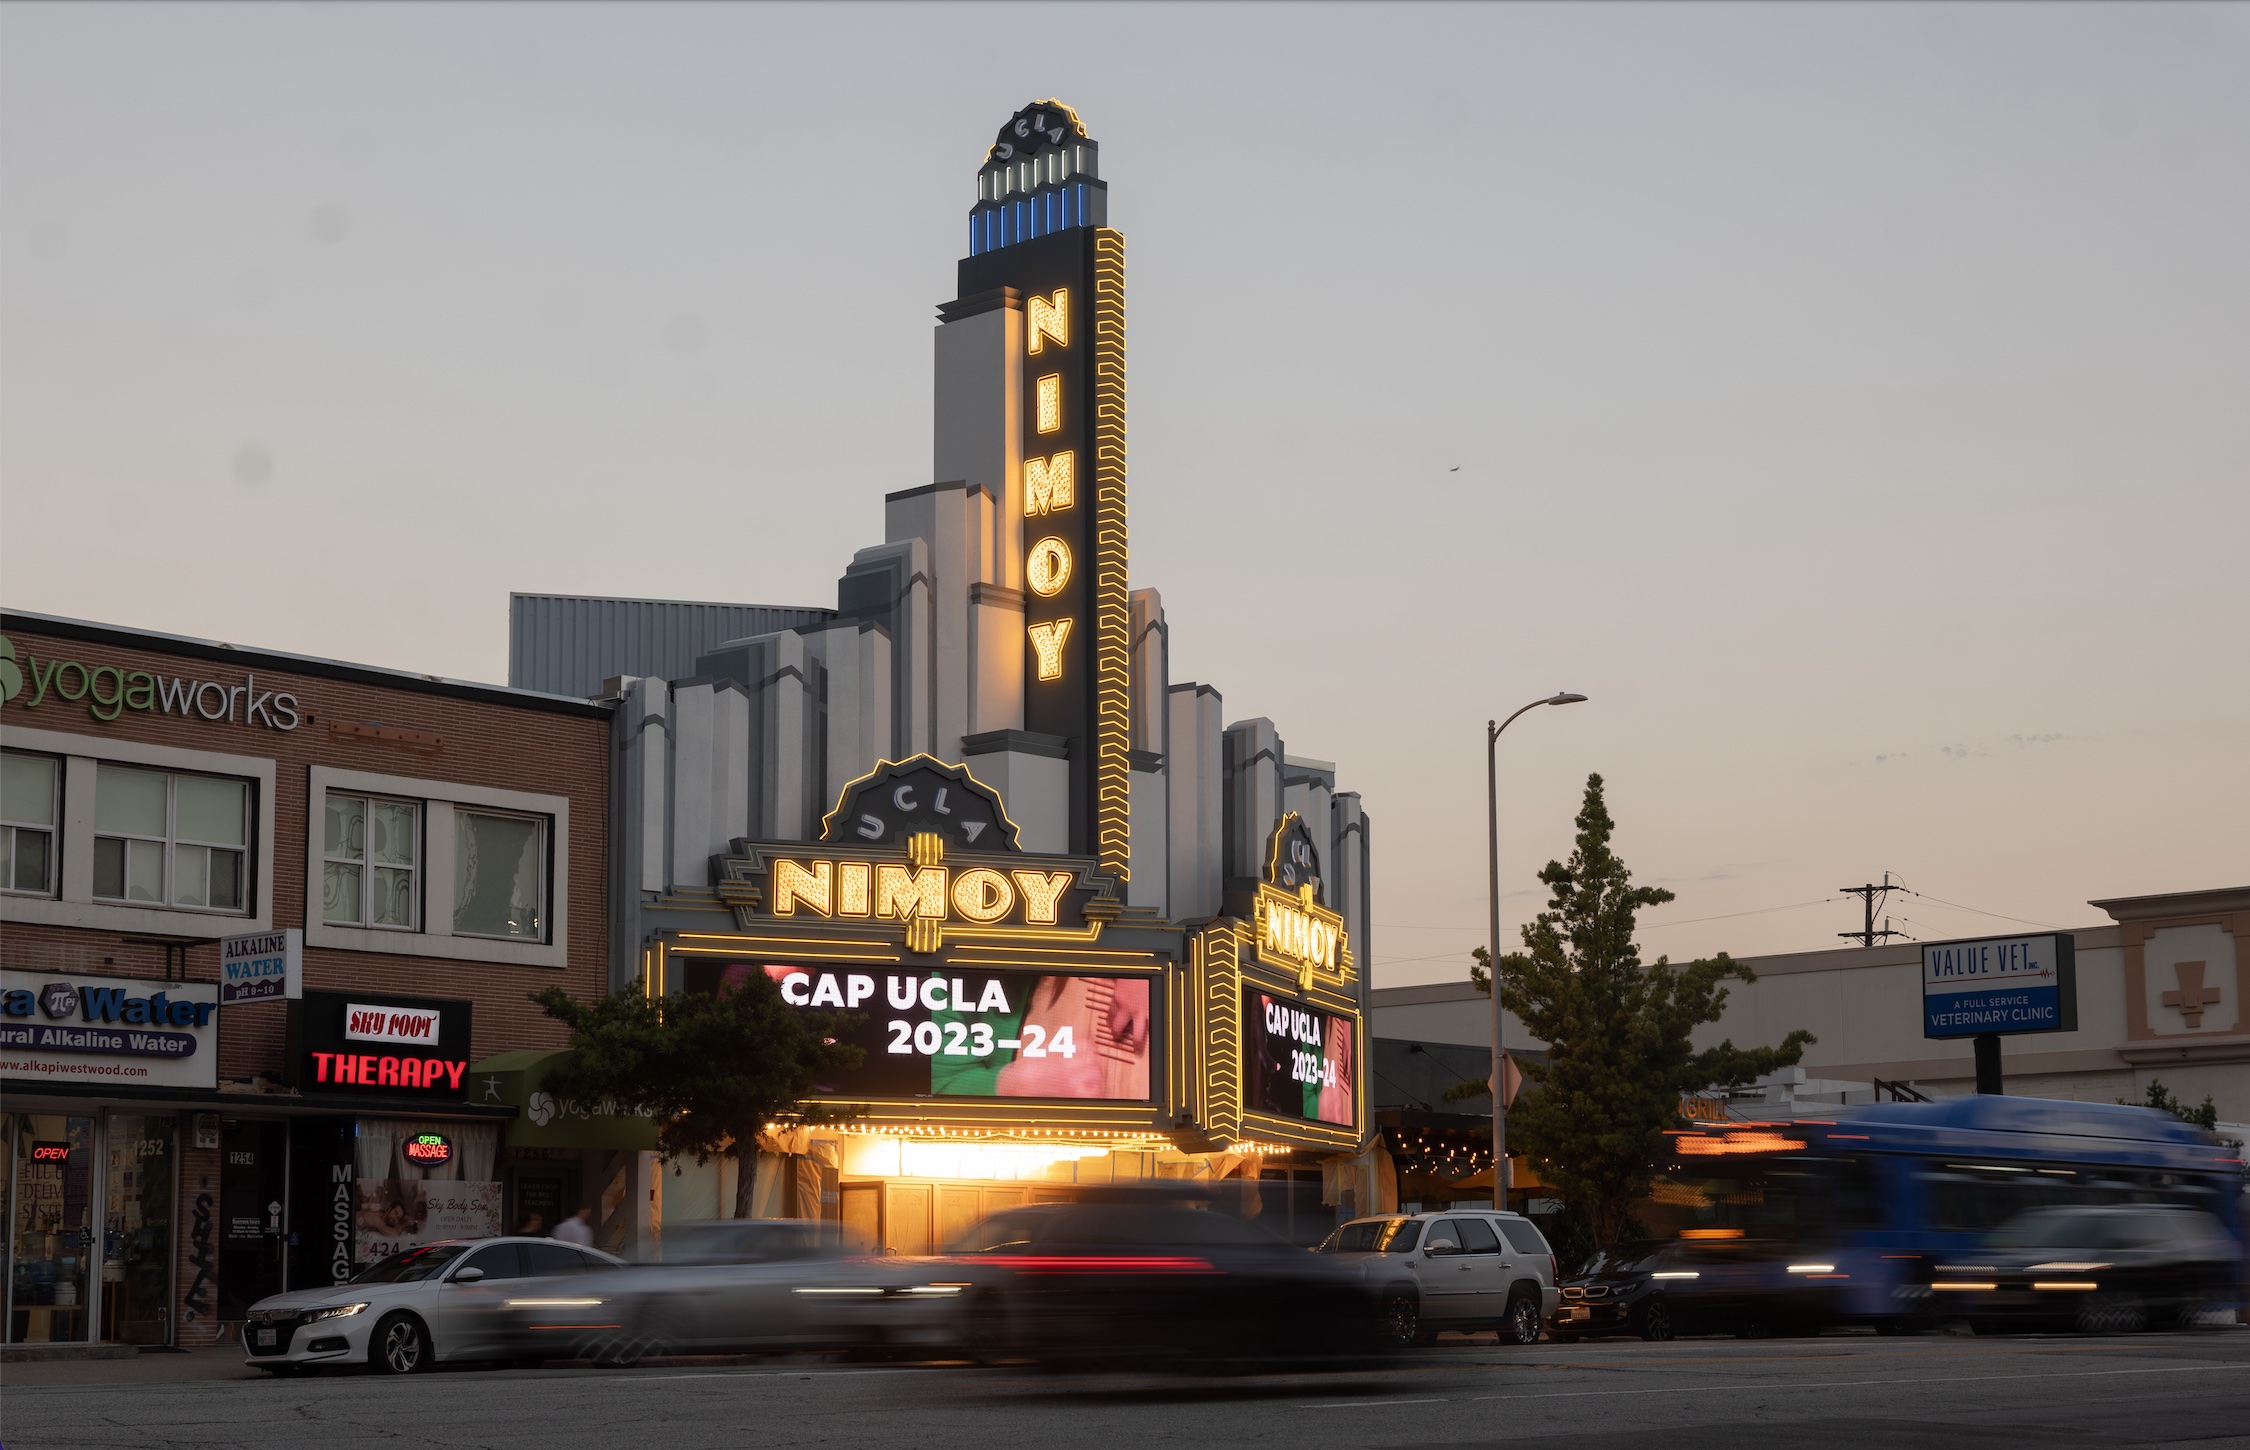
{"x": 1999, "y": 985}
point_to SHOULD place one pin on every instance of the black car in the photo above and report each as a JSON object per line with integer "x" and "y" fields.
{"x": 2105, "y": 1270}
{"x": 1133, "y": 1280}
{"x": 1658, "y": 1289}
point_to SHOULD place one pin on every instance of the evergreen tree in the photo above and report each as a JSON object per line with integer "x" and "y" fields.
{"x": 1592, "y": 1116}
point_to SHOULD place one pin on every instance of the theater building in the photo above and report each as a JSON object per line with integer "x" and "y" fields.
{"x": 1095, "y": 932}
{"x": 395, "y": 860}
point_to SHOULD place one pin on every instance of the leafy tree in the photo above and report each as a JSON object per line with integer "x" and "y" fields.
{"x": 2160, "y": 1098}
{"x": 1592, "y": 1115}
{"x": 712, "y": 1071}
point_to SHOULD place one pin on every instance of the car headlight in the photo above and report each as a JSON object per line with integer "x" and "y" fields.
{"x": 334, "y": 1311}
{"x": 550, "y": 1303}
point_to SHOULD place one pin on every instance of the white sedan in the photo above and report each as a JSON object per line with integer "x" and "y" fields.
{"x": 435, "y": 1302}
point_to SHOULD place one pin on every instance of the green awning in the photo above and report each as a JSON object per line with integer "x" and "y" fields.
{"x": 518, "y": 1080}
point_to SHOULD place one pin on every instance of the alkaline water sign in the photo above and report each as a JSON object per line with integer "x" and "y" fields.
{"x": 262, "y": 966}
{"x": 67, "y": 1028}
{"x": 2000, "y": 985}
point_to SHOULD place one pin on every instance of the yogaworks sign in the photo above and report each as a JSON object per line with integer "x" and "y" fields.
{"x": 108, "y": 691}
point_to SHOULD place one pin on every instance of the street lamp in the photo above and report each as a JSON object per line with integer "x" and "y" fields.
{"x": 1499, "y": 1062}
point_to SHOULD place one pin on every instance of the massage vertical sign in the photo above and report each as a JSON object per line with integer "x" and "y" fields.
{"x": 2000, "y": 985}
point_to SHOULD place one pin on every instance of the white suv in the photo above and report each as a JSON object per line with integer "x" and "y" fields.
{"x": 1457, "y": 1268}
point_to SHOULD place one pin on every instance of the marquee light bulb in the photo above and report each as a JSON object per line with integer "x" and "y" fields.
{"x": 1047, "y": 645}
{"x": 1046, "y": 567}
{"x": 1050, "y": 403}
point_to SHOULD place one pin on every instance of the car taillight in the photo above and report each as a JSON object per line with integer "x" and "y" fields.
{"x": 1099, "y": 1264}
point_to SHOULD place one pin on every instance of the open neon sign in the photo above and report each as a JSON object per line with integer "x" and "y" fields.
{"x": 50, "y": 1152}
{"x": 428, "y": 1149}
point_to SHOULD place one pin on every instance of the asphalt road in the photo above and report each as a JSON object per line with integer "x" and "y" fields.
{"x": 1928, "y": 1392}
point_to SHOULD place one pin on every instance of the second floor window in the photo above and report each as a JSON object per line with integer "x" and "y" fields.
{"x": 369, "y": 850}
{"x": 499, "y": 875}
{"x": 27, "y": 822}
{"x": 171, "y": 839}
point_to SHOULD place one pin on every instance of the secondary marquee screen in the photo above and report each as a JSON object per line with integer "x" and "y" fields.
{"x": 1302, "y": 1065}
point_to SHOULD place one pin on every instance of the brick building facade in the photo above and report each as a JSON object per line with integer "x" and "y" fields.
{"x": 441, "y": 846}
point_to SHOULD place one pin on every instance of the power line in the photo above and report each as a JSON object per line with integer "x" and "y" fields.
{"x": 1979, "y": 911}
{"x": 1872, "y": 896}
{"x": 1690, "y": 921}
{"x": 1729, "y": 915}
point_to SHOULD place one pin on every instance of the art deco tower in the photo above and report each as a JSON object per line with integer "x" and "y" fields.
{"x": 1031, "y": 410}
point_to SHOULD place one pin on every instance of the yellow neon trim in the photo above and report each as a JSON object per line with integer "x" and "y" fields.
{"x": 959, "y": 772}
{"x": 1112, "y": 610}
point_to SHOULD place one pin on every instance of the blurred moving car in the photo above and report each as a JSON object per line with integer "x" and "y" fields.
{"x": 1659, "y": 1289}
{"x": 1459, "y": 1269}
{"x": 2102, "y": 1270}
{"x": 1135, "y": 1278}
{"x": 405, "y": 1313}
{"x": 734, "y": 1285}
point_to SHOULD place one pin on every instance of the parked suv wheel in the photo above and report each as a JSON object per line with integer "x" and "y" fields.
{"x": 1522, "y": 1324}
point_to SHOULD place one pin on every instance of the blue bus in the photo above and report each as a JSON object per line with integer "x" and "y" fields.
{"x": 1844, "y": 1219}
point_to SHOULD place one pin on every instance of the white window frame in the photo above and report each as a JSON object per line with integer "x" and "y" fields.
{"x": 368, "y": 865}
{"x": 435, "y": 938}
{"x": 45, "y": 891}
{"x": 546, "y": 833}
{"x": 172, "y": 841}
{"x": 74, "y": 903}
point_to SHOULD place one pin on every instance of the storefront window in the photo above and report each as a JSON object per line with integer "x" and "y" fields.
{"x": 137, "y": 1229}
{"x": 27, "y": 823}
{"x": 50, "y": 1226}
{"x": 499, "y": 876}
{"x": 420, "y": 1182}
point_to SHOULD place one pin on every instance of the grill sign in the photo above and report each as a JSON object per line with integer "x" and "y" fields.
{"x": 429, "y": 1150}
{"x": 390, "y": 1024}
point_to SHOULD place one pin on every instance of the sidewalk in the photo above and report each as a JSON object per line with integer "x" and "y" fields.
{"x": 220, "y": 1362}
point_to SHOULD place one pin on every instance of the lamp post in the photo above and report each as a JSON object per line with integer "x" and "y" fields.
{"x": 1499, "y": 1061}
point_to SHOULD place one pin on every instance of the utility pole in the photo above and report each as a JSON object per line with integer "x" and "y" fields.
{"x": 1873, "y": 896}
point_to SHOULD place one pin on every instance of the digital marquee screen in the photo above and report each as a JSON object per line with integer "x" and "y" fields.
{"x": 951, "y": 1034}
{"x": 1297, "y": 1062}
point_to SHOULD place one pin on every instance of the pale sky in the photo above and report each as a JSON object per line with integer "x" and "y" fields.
{"x": 1854, "y": 402}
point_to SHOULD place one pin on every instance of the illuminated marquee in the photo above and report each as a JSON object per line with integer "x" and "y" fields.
{"x": 906, "y": 893}
{"x": 914, "y": 883}
{"x": 1292, "y": 923}
{"x": 1294, "y": 931}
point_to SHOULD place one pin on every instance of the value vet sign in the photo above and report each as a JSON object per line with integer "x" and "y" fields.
{"x": 2000, "y": 984}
